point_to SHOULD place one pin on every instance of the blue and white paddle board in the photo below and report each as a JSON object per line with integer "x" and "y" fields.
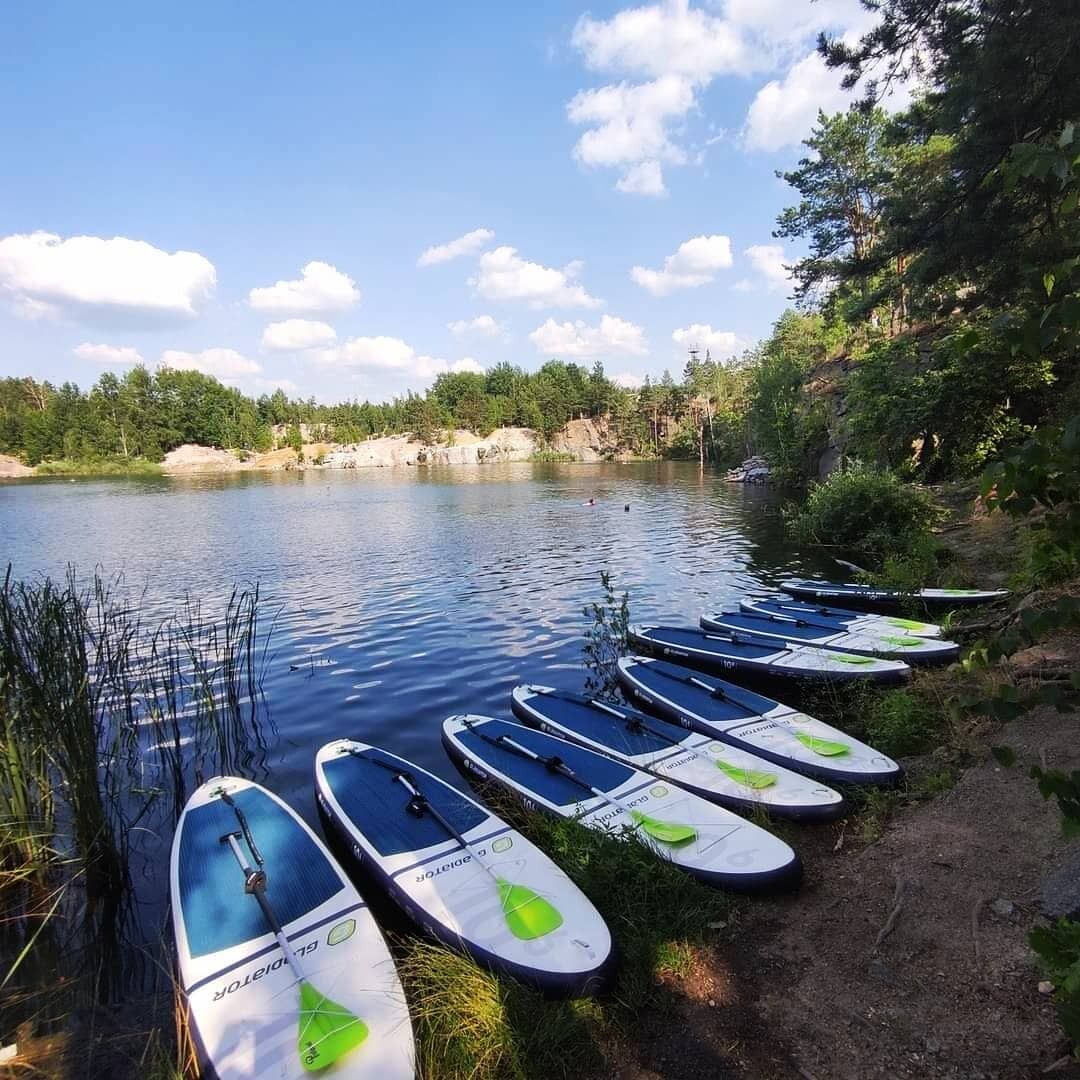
{"x": 241, "y": 993}
{"x": 714, "y": 770}
{"x": 840, "y": 618}
{"x": 753, "y": 656}
{"x": 870, "y": 594}
{"x": 753, "y": 722}
{"x": 785, "y": 628}
{"x": 726, "y": 850}
{"x": 442, "y": 886}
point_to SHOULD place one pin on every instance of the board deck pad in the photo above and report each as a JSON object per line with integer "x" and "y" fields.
{"x": 726, "y": 850}
{"x": 785, "y": 628}
{"x": 714, "y": 770}
{"x": 443, "y": 887}
{"x": 753, "y": 722}
{"x": 243, "y": 999}
{"x": 753, "y": 656}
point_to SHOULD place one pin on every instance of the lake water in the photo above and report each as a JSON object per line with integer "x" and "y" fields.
{"x": 416, "y": 592}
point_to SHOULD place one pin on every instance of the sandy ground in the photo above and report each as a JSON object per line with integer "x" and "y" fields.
{"x": 11, "y": 467}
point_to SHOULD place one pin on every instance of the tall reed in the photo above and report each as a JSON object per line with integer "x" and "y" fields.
{"x": 105, "y": 720}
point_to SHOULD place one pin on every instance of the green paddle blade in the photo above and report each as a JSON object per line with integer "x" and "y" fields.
{"x": 901, "y": 642}
{"x": 662, "y": 830}
{"x": 825, "y": 747}
{"x": 751, "y": 778}
{"x": 328, "y": 1030}
{"x": 847, "y": 658}
{"x": 528, "y": 915}
{"x": 908, "y": 624}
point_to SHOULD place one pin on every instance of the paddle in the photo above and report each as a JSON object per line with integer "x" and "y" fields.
{"x": 716, "y": 691}
{"x": 528, "y": 915}
{"x": 667, "y": 832}
{"x": 825, "y": 747}
{"x": 751, "y": 778}
{"x": 328, "y": 1030}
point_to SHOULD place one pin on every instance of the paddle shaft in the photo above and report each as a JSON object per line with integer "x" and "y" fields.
{"x": 633, "y": 724}
{"x": 255, "y": 883}
{"x": 437, "y": 816}
{"x": 564, "y": 770}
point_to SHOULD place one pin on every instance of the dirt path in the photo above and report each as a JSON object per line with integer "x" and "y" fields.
{"x": 905, "y": 957}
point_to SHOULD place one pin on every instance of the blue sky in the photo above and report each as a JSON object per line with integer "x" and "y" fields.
{"x": 249, "y": 189}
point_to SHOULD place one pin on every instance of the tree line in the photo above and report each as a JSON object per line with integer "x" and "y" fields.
{"x": 141, "y": 415}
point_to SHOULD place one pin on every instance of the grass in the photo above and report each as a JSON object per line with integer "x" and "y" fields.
{"x": 109, "y": 466}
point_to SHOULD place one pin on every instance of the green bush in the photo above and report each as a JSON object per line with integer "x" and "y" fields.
{"x": 865, "y": 513}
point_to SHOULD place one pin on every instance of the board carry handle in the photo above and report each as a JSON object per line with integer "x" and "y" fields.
{"x": 668, "y": 832}
{"x": 754, "y": 778}
{"x": 528, "y": 915}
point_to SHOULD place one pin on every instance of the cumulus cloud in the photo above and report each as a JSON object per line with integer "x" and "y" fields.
{"x": 629, "y": 129}
{"x": 469, "y": 244}
{"x": 612, "y": 335}
{"x": 293, "y": 335}
{"x": 769, "y": 261}
{"x": 482, "y": 325}
{"x": 628, "y": 380}
{"x": 107, "y": 354}
{"x": 268, "y": 386}
{"x": 645, "y": 178}
{"x": 784, "y": 110}
{"x": 389, "y": 354}
{"x": 721, "y": 344}
{"x": 668, "y": 53}
{"x": 695, "y": 263}
{"x": 225, "y": 364}
{"x": 93, "y": 277}
{"x": 321, "y": 288}
{"x": 505, "y": 275}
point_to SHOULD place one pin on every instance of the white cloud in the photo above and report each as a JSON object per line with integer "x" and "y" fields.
{"x": 784, "y": 111}
{"x": 629, "y": 129}
{"x": 293, "y": 335}
{"x": 768, "y": 260}
{"x": 389, "y": 354}
{"x": 504, "y": 275}
{"x": 577, "y": 339}
{"x": 469, "y": 244}
{"x": 628, "y": 381}
{"x": 91, "y": 276}
{"x": 661, "y": 39}
{"x": 482, "y": 325}
{"x": 695, "y": 263}
{"x": 107, "y": 354}
{"x": 225, "y": 364}
{"x": 645, "y": 178}
{"x": 668, "y": 53}
{"x": 322, "y": 288}
{"x": 720, "y": 343}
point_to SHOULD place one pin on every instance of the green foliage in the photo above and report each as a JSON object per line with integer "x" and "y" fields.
{"x": 900, "y": 723}
{"x": 552, "y": 456}
{"x": 1058, "y": 950}
{"x": 787, "y": 421}
{"x": 606, "y": 639}
{"x": 95, "y": 466}
{"x": 866, "y": 513}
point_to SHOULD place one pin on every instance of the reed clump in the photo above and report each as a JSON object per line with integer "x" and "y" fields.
{"x": 106, "y": 717}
